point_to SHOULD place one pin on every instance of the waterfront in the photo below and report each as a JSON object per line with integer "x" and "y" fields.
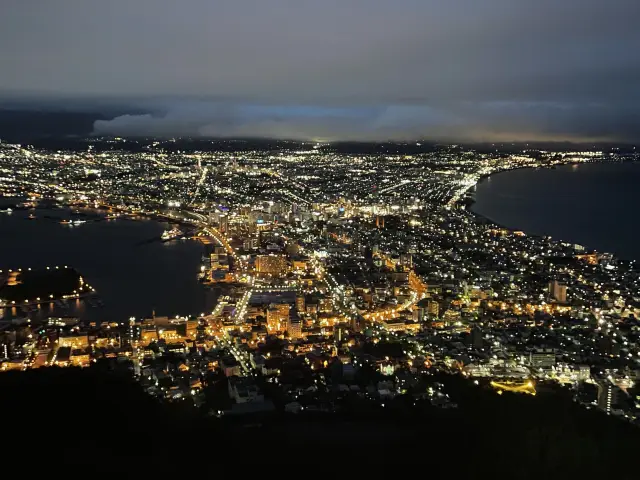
{"x": 132, "y": 275}
{"x": 320, "y": 265}
{"x": 594, "y": 204}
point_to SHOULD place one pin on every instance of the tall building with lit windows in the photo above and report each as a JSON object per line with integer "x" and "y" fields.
{"x": 294, "y": 325}
{"x": 406, "y": 260}
{"x": 558, "y": 291}
{"x": 300, "y": 303}
{"x": 224, "y": 223}
{"x": 277, "y": 317}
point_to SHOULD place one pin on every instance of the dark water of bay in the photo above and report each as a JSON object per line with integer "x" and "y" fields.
{"x": 596, "y": 205}
{"x": 132, "y": 276}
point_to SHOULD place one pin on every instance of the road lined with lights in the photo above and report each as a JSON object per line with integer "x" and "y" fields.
{"x": 203, "y": 177}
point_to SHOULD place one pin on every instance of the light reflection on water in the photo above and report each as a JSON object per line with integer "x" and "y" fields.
{"x": 595, "y": 204}
{"x": 132, "y": 275}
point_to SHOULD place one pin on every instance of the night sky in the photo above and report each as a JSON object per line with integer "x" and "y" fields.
{"x": 479, "y": 70}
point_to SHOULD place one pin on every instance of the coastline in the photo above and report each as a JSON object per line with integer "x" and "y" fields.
{"x": 169, "y": 275}
{"x": 544, "y": 167}
{"x": 484, "y": 218}
{"x": 48, "y": 301}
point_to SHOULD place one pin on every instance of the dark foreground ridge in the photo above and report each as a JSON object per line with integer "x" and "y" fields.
{"x": 102, "y": 419}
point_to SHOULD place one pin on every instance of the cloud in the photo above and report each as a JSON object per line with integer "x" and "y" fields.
{"x": 207, "y": 119}
{"x": 490, "y": 121}
{"x": 368, "y": 68}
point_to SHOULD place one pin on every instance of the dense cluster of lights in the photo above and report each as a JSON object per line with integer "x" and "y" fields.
{"x": 392, "y": 256}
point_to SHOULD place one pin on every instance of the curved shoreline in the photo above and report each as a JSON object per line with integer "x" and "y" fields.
{"x": 546, "y": 167}
{"x": 115, "y": 309}
{"x": 468, "y": 207}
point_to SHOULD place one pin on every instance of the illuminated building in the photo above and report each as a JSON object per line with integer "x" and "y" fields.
{"x": 450, "y": 317}
{"x": 192, "y": 328}
{"x": 219, "y": 261}
{"x": 74, "y": 341}
{"x": 148, "y": 335}
{"x": 394, "y": 324}
{"x": 294, "y": 325}
{"x": 105, "y": 342}
{"x": 339, "y": 333}
{"x": 583, "y": 373}
{"x": 406, "y": 260}
{"x": 176, "y": 347}
{"x": 421, "y": 310}
{"x": 224, "y": 223}
{"x": 542, "y": 359}
{"x": 80, "y": 358}
{"x": 250, "y": 243}
{"x": 312, "y": 309}
{"x": 170, "y": 335}
{"x": 433, "y": 308}
{"x": 558, "y": 291}
{"x": 325, "y": 304}
{"x": 300, "y": 305}
{"x": 300, "y": 264}
{"x": 410, "y": 326}
{"x": 277, "y": 317}
{"x": 271, "y": 264}
{"x": 12, "y": 365}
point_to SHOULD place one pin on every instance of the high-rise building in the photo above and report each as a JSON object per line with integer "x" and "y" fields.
{"x": 251, "y": 242}
{"x": 406, "y": 260}
{"x": 339, "y": 333}
{"x": 277, "y": 317}
{"x": 224, "y": 223}
{"x": 300, "y": 303}
{"x": 214, "y": 217}
{"x": 558, "y": 291}
{"x": 433, "y": 308}
{"x": 294, "y": 325}
{"x": 325, "y": 303}
{"x": 192, "y": 328}
{"x": 475, "y": 338}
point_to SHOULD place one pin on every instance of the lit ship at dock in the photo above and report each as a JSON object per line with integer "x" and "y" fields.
{"x": 171, "y": 234}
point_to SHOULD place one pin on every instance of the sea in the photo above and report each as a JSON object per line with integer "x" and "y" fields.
{"x": 596, "y": 205}
{"x": 133, "y": 272}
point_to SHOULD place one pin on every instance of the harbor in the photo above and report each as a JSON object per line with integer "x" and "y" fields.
{"x": 123, "y": 257}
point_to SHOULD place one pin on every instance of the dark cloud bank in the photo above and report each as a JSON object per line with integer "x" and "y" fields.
{"x": 508, "y": 70}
